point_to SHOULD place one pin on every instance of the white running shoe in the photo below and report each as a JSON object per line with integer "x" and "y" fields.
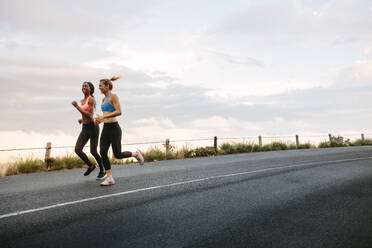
{"x": 108, "y": 181}
{"x": 140, "y": 158}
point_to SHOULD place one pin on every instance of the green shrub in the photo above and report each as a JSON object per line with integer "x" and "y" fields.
{"x": 305, "y": 146}
{"x": 11, "y": 170}
{"x": 57, "y": 164}
{"x": 227, "y": 148}
{"x": 277, "y": 146}
{"x": 291, "y": 146}
{"x": 368, "y": 142}
{"x": 243, "y": 147}
{"x": 190, "y": 154}
{"x": 180, "y": 154}
{"x": 205, "y": 151}
{"x": 359, "y": 142}
{"x": 72, "y": 161}
{"x": 154, "y": 154}
{"x": 339, "y": 141}
{"x": 256, "y": 148}
{"x": 68, "y": 161}
{"x": 115, "y": 160}
{"x": 121, "y": 161}
{"x": 201, "y": 152}
{"x": 266, "y": 148}
{"x": 170, "y": 155}
{"x": 274, "y": 146}
{"x": 129, "y": 161}
{"x": 324, "y": 144}
{"x": 29, "y": 165}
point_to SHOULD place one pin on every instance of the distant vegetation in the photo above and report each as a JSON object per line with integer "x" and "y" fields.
{"x": 31, "y": 164}
{"x": 71, "y": 161}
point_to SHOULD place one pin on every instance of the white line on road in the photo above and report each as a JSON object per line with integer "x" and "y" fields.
{"x": 176, "y": 184}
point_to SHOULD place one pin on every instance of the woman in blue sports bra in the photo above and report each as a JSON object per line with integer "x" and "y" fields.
{"x": 111, "y": 132}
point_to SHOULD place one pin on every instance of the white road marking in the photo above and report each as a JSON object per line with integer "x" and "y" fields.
{"x": 175, "y": 184}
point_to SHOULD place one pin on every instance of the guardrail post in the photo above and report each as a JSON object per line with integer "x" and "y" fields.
{"x": 297, "y": 141}
{"x": 362, "y": 137}
{"x": 215, "y": 143}
{"x": 166, "y": 146}
{"x": 48, "y": 150}
{"x": 260, "y": 141}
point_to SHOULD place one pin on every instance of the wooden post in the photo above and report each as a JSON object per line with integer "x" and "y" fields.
{"x": 297, "y": 141}
{"x": 166, "y": 145}
{"x": 260, "y": 141}
{"x": 215, "y": 143}
{"x": 48, "y": 150}
{"x": 362, "y": 137}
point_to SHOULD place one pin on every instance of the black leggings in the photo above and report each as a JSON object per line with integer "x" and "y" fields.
{"x": 89, "y": 131}
{"x": 111, "y": 135}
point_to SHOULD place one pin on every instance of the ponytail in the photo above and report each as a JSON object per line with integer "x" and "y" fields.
{"x": 114, "y": 78}
{"x": 109, "y": 81}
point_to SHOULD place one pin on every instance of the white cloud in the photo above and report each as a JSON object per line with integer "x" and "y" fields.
{"x": 89, "y": 18}
{"x": 219, "y": 124}
{"x": 250, "y": 67}
{"x": 174, "y": 63}
{"x": 156, "y": 122}
{"x": 293, "y": 21}
{"x": 158, "y": 129}
{"x": 189, "y": 39}
{"x": 234, "y": 59}
{"x": 367, "y": 50}
{"x": 359, "y": 74}
{"x": 263, "y": 88}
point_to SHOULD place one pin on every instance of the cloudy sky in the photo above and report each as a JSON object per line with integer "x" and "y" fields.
{"x": 189, "y": 68}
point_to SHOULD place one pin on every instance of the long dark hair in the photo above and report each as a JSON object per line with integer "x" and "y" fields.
{"x": 91, "y": 86}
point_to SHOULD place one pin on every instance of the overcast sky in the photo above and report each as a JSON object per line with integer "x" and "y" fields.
{"x": 190, "y": 69}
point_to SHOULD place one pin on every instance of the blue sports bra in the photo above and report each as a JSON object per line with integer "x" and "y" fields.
{"x": 107, "y": 106}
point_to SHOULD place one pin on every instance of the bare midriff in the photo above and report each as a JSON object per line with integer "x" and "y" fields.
{"x": 109, "y": 120}
{"x": 86, "y": 120}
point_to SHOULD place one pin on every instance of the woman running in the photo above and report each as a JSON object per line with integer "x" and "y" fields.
{"x": 89, "y": 130}
{"x": 111, "y": 132}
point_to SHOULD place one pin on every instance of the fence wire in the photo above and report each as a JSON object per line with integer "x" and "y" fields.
{"x": 197, "y": 140}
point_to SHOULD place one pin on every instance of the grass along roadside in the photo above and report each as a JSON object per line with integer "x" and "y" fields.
{"x": 71, "y": 161}
{"x": 31, "y": 164}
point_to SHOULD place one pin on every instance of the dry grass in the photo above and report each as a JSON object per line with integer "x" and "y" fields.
{"x": 70, "y": 161}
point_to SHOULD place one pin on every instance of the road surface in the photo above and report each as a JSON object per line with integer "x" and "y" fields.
{"x": 296, "y": 198}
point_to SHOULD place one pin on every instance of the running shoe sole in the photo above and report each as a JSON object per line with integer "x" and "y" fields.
{"x": 109, "y": 184}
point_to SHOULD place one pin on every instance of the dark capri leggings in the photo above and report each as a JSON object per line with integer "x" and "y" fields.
{"x": 111, "y": 135}
{"x": 89, "y": 132}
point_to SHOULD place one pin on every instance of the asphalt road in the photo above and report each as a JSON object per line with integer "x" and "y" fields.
{"x": 298, "y": 198}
